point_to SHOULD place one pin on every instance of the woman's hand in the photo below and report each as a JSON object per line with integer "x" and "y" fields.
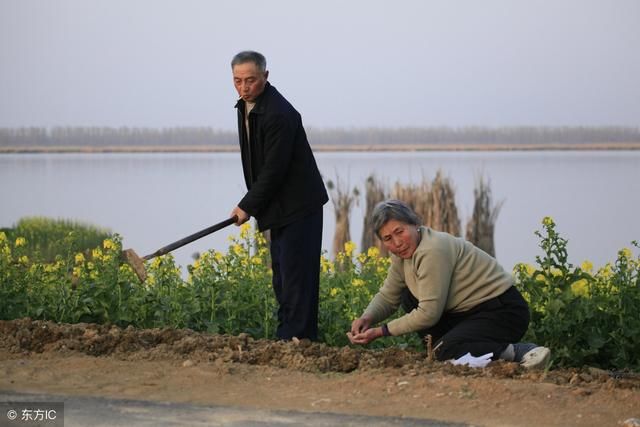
{"x": 365, "y": 337}
{"x": 360, "y": 325}
{"x": 361, "y": 333}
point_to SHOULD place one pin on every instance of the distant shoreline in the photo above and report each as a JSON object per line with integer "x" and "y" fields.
{"x": 618, "y": 146}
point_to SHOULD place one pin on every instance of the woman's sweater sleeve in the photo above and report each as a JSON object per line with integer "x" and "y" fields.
{"x": 387, "y": 300}
{"x": 433, "y": 272}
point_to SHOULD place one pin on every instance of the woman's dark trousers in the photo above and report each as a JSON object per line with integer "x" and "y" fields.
{"x": 487, "y": 328}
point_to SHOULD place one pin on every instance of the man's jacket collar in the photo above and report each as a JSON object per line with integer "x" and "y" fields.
{"x": 258, "y": 106}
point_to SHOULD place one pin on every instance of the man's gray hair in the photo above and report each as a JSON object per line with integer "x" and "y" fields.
{"x": 250, "y": 56}
{"x": 390, "y": 209}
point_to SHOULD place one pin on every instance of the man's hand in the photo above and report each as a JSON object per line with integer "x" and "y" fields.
{"x": 242, "y": 215}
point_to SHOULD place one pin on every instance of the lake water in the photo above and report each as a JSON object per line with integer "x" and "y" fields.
{"x": 155, "y": 199}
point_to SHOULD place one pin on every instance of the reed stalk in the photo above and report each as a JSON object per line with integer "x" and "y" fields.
{"x": 434, "y": 202}
{"x": 374, "y": 194}
{"x": 343, "y": 201}
{"x": 481, "y": 226}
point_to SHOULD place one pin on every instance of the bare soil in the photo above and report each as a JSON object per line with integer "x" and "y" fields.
{"x": 189, "y": 367}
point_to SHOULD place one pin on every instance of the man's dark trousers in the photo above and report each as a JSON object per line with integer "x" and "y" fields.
{"x": 295, "y": 258}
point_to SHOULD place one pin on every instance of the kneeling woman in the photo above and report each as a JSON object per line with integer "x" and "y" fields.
{"x": 450, "y": 289}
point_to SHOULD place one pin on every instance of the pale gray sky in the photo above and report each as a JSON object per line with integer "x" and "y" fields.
{"x": 357, "y": 63}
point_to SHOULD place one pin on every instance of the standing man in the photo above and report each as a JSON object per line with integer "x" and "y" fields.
{"x": 285, "y": 193}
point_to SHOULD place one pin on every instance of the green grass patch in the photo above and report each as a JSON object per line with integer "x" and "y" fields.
{"x": 45, "y": 238}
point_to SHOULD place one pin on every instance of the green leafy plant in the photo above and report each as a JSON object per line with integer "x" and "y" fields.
{"x": 585, "y": 317}
{"x": 233, "y": 290}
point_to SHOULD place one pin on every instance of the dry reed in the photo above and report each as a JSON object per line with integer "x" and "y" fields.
{"x": 374, "y": 194}
{"x": 481, "y": 226}
{"x": 342, "y": 202}
{"x": 434, "y": 202}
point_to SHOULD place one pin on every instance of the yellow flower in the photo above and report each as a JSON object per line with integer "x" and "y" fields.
{"x": 530, "y": 269}
{"x": 3, "y": 237}
{"x": 76, "y": 271}
{"x": 333, "y": 292}
{"x": 580, "y": 288}
{"x": 587, "y": 266}
{"x": 625, "y": 253}
{"x": 23, "y": 259}
{"x": 93, "y": 275}
{"x": 556, "y": 272}
{"x": 349, "y": 247}
{"x": 362, "y": 258}
{"x": 256, "y": 260}
{"x": 540, "y": 278}
{"x": 238, "y": 249}
{"x": 196, "y": 264}
{"x": 373, "y": 252}
{"x": 325, "y": 264}
{"x": 96, "y": 253}
{"x": 260, "y": 239}
{"x": 20, "y": 241}
{"x": 606, "y": 271}
{"x": 547, "y": 221}
{"x": 79, "y": 258}
{"x": 356, "y": 282}
{"x": 108, "y": 244}
{"x": 244, "y": 230}
{"x": 381, "y": 269}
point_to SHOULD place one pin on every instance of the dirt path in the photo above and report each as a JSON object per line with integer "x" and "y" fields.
{"x": 184, "y": 366}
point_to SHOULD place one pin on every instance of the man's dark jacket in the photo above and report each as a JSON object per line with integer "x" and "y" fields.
{"x": 280, "y": 171}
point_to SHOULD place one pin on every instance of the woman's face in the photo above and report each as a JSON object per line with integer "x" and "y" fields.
{"x": 400, "y": 238}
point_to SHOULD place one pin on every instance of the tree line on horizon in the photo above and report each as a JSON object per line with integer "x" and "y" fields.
{"x": 81, "y": 136}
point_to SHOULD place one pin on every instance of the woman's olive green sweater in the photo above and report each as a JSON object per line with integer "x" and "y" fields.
{"x": 445, "y": 274}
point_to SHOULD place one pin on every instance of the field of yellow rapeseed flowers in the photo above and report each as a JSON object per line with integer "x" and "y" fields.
{"x": 587, "y": 317}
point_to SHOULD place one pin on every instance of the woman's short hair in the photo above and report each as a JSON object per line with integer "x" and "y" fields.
{"x": 250, "y": 56}
{"x": 390, "y": 209}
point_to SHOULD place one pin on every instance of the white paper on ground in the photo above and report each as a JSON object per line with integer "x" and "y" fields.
{"x": 474, "y": 362}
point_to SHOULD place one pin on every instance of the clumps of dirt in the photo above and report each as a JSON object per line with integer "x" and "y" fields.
{"x": 26, "y": 335}
{"x": 35, "y": 336}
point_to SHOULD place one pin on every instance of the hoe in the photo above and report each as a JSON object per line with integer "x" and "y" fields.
{"x": 137, "y": 263}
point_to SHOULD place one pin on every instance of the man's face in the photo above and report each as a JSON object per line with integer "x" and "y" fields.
{"x": 399, "y": 238}
{"x": 249, "y": 82}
